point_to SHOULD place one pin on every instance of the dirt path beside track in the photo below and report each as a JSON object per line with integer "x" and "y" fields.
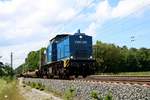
{"x": 34, "y": 94}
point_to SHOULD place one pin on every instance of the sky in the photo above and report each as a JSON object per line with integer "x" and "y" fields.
{"x": 27, "y": 25}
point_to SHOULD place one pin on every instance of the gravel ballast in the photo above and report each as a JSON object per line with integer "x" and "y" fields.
{"x": 83, "y": 89}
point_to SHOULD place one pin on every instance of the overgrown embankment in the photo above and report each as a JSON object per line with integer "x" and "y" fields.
{"x": 9, "y": 90}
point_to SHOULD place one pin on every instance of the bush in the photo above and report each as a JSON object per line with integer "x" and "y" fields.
{"x": 39, "y": 86}
{"x": 33, "y": 85}
{"x": 42, "y": 87}
{"x": 69, "y": 94}
{"x": 36, "y": 85}
{"x": 95, "y": 95}
{"x": 109, "y": 96}
{"x": 8, "y": 79}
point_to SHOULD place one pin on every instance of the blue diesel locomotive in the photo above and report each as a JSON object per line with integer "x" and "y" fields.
{"x": 68, "y": 55}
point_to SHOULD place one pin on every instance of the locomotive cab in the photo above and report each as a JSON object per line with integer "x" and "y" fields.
{"x": 81, "y": 45}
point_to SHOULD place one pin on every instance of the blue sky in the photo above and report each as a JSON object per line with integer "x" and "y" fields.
{"x": 27, "y": 26}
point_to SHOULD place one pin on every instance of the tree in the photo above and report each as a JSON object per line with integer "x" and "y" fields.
{"x": 111, "y": 58}
{"x": 6, "y": 70}
{"x": 31, "y": 62}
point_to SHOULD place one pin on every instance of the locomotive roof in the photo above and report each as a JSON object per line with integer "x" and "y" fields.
{"x": 60, "y": 36}
{"x": 57, "y": 37}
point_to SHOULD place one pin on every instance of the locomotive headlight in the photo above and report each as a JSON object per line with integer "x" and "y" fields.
{"x": 71, "y": 57}
{"x": 91, "y": 57}
{"x": 80, "y": 37}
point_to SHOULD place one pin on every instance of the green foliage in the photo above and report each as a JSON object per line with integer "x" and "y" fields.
{"x": 108, "y": 96}
{"x": 39, "y": 86}
{"x": 6, "y": 70}
{"x": 106, "y": 57}
{"x": 69, "y": 94}
{"x": 8, "y": 79}
{"x": 20, "y": 69}
{"x": 115, "y": 59}
{"x": 31, "y": 62}
{"x": 33, "y": 85}
{"x": 95, "y": 95}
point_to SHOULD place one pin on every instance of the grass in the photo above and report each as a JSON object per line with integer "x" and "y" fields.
{"x": 9, "y": 91}
{"x": 69, "y": 94}
{"x": 147, "y": 73}
{"x": 95, "y": 95}
{"x": 39, "y": 86}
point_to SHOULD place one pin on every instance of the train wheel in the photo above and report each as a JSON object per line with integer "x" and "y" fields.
{"x": 61, "y": 76}
{"x": 76, "y": 76}
{"x": 45, "y": 76}
{"x": 66, "y": 76}
{"x": 50, "y": 76}
{"x": 84, "y": 75}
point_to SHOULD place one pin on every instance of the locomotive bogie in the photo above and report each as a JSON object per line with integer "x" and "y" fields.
{"x": 64, "y": 69}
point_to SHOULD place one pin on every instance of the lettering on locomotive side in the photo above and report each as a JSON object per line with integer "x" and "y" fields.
{"x": 81, "y": 42}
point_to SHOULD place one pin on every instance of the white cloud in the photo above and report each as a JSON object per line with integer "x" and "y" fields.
{"x": 67, "y": 15}
{"x": 4, "y": 24}
{"x": 91, "y": 30}
{"x": 19, "y": 52}
{"x": 125, "y": 8}
{"x": 24, "y": 16}
{"x": 9, "y": 7}
{"x": 103, "y": 11}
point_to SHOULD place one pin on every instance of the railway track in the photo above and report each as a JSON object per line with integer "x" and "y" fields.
{"x": 140, "y": 80}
